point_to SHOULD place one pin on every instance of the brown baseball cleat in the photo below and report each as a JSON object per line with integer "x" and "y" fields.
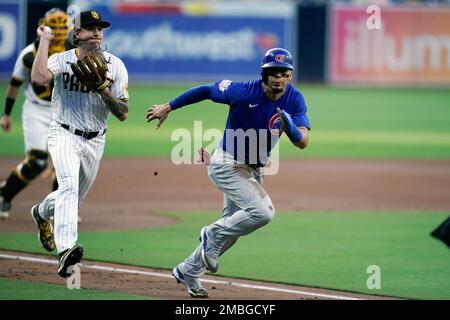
{"x": 45, "y": 234}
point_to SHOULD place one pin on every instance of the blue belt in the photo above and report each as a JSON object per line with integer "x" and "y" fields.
{"x": 86, "y": 135}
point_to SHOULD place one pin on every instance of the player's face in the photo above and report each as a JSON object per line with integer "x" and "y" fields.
{"x": 278, "y": 79}
{"x": 91, "y": 36}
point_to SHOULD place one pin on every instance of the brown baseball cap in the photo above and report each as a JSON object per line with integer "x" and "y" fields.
{"x": 90, "y": 18}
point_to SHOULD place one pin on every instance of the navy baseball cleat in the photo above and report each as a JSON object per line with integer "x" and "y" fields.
{"x": 69, "y": 258}
{"x": 45, "y": 234}
{"x": 209, "y": 257}
{"x": 192, "y": 284}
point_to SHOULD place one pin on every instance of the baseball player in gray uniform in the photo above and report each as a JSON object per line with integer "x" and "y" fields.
{"x": 36, "y": 112}
{"x": 260, "y": 110}
{"x": 81, "y": 104}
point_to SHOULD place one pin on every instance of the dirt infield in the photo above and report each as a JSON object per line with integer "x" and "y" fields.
{"x": 129, "y": 194}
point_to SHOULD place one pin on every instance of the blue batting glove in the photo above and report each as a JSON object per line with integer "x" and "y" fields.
{"x": 290, "y": 128}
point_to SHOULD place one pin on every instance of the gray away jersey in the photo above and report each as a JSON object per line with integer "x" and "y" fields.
{"x": 72, "y": 103}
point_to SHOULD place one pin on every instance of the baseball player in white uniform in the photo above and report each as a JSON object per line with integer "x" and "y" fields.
{"x": 76, "y": 136}
{"x": 36, "y": 112}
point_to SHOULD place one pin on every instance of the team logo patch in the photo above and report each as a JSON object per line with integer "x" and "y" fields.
{"x": 224, "y": 84}
{"x": 279, "y": 58}
{"x": 275, "y": 125}
{"x": 95, "y": 15}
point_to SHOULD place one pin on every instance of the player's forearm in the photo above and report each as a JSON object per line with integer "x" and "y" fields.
{"x": 40, "y": 75}
{"x": 303, "y": 142}
{"x": 12, "y": 91}
{"x": 117, "y": 107}
{"x": 11, "y": 95}
{"x": 191, "y": 96}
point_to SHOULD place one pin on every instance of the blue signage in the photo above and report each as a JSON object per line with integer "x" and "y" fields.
{"x": 10, "y": 35}
{"x": 188, "y": 47}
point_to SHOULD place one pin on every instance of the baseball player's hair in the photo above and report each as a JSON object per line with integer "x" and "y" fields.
{"x": 75, "y": 40}
{"x": 264, "y": 75}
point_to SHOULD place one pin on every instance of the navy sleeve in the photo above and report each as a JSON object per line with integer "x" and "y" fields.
{"x": 191, "y": 96}
{"x": 217, "y": 92}
{"x": 299, "y": 115}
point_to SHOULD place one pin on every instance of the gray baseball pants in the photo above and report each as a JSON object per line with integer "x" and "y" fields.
{"x": 246, "y": 207}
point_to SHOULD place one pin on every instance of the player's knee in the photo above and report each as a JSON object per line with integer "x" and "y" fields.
{"x": 271, "y": 211}
{"x": 263, "y": 214}
{"x": 267, "y": 210}
{"x": 68, "y": 185}
{"x": 267, "y": 214}
{"x": 35, "y": 163}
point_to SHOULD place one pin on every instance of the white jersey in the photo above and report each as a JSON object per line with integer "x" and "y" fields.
{"x": 22, "y": 72}
{"x": 72, "y": 103}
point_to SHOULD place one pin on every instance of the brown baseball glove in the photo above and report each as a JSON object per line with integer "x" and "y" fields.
{"x": 92, "y": 71}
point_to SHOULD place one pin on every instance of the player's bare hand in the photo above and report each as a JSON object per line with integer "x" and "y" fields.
{"x": 283, "y": 124}
{"x": 44, "y": 32}
{"x": 5, "y": 123}
{"x": 160, "y": 112}
{"x": 205, "y": 157}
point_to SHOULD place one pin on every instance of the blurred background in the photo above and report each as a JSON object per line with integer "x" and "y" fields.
{"x": 210, "y": 40}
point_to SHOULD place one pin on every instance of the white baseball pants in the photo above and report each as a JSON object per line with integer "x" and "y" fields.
{"x": 76, "y": 161}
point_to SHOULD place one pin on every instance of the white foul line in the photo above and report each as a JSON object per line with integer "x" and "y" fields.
{"x": 163, "y": 275}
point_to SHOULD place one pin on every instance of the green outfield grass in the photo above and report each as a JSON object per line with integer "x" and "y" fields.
{"x": 24, "y": 290}
{"x": 346, "y": 122}
{"x": 327, "y": 250}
